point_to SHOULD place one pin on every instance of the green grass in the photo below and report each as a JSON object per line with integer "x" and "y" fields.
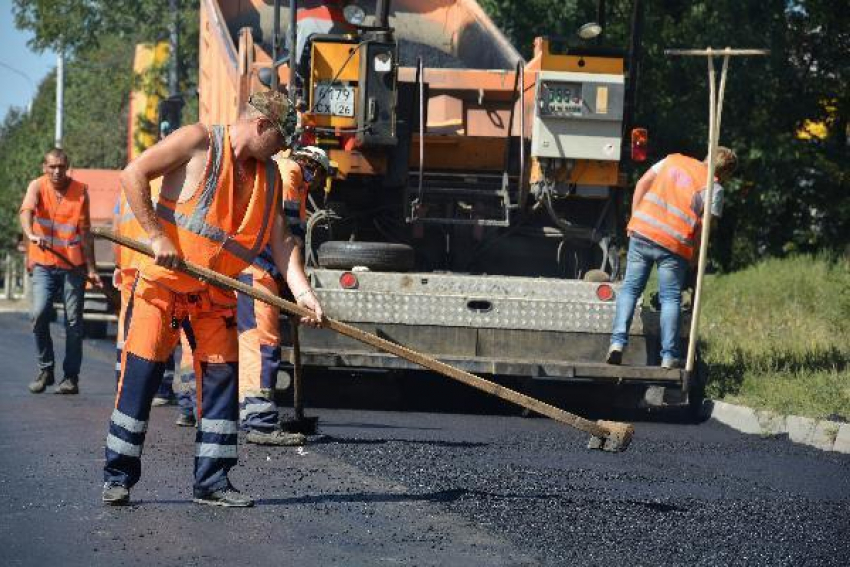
{"x": 777, "y": 336}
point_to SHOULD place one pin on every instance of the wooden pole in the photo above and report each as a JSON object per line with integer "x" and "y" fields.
{"x": 297, "y": 372}
{"x": 715, "y": 112}
{"x": 612, "y": 431}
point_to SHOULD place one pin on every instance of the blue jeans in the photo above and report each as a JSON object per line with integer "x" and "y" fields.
{"x": 46, "y": 283}
{"x": 672, "y": 270}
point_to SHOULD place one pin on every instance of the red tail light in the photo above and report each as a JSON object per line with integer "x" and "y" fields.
{"x": 640, "y": 144}
{"x": 348, "y": 281}
{"x": 605, "y": 292}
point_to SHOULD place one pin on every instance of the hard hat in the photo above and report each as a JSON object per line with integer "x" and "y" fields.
{"x": 316, "y": 155}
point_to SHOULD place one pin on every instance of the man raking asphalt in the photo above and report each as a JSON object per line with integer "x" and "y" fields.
{"x": 605, "y": 435}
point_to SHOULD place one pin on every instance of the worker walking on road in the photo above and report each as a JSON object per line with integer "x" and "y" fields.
{"x": 55, "y": 220}
{"x": 218, "y": 208}
{"x": 259, "y": 323}
{"x": 667, "y": 209}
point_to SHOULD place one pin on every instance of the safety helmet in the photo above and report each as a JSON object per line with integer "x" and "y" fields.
{"x": 316, "y": 155}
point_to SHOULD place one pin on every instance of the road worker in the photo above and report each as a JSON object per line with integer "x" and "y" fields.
{"x": 259, "y": 323}
{"x": 126, "y": 268}
{"x": 667, "y": 209}
{"x": 219, "y": 206}
{"x": 55, "y": 220}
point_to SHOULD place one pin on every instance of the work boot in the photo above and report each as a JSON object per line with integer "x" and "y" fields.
{"x": 185, "y": 420}
{"x": 68, "y": 386}
{"x": 44, "y": 379}
{"x": 669, "y": 363}
{"x": 228, "y": 497}
{"x": 159, "y": 401}
{"x": 276, "y": 437}
{"x": 115, "y": 494}
{"x": 615, "y": 355}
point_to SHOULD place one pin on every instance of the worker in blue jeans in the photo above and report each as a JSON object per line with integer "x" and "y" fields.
{"x": 665, "y": 228}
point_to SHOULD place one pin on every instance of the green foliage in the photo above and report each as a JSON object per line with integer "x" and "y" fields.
{"x": 98, "y": 38}
{"x": 775, "y": 335}
{"x": 790, "y": 195}
{"x": 95, "y": 128}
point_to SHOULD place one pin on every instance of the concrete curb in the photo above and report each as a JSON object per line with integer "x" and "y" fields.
{"x": 822, "y": 434}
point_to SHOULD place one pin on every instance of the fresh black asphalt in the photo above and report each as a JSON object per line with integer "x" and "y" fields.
{"x": 408, "y": 488}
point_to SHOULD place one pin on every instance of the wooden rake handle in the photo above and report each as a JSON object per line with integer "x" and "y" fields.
{"x": 224, "y": 282}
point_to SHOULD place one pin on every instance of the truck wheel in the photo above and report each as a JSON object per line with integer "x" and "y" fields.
{"x": 94, "y": 329}
{"x": 377, "y": 256}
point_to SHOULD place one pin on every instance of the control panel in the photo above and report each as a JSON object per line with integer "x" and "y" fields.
{"x": 578, "y": 116}
{"x": 560, "y": 99}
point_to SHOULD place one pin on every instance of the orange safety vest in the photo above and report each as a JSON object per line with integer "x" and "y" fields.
{"x": 665, "y": 215}
{"x": 57, "y": 219}
{"x": 295, "y": 193}
{"x": 127, "y": 225}
{"x": 207, "y": 230}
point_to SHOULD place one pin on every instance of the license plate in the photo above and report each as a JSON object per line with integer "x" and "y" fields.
{"x": 335, "y": 100}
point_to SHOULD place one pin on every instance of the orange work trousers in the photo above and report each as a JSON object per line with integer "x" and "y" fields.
{"x": 153, "y": 320}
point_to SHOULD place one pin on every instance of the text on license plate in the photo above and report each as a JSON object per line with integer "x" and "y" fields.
{"x": 336, "y": 100}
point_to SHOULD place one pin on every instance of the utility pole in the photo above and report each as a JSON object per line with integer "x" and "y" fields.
{"x": 170, "y": 109}
{"x": 60, "y": 97}
{"x": 174, "y": 44}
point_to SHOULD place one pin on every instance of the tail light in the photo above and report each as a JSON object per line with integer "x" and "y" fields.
{"x": 640, "y": 144}
{"x": 605, "y": 292}
{"x": 348, "y": 281}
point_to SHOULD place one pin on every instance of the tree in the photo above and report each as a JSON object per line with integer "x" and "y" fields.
{"x": 790, "y": 194}
{"x": 98, "y": 39}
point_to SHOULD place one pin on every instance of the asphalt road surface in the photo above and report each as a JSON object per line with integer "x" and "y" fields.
{"x": 403, "y": 488}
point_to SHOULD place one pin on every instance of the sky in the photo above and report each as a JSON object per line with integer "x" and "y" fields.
{"x": 17, "y": 59}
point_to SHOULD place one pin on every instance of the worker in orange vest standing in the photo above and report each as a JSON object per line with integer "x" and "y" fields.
{"x": 219, "y": 206}
{"x": 54, "y": 217}
{"x": 667, "y": 209}
{"x": 259, "y": 323}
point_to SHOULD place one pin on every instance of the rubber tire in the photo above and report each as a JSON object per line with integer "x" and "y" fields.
{"x": 377, "y": 256}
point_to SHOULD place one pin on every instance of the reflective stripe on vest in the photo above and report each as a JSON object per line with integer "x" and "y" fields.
{"x": 56, "y": 218}
{"x": 665, "y": 214}
{"x": 206, "y": 229}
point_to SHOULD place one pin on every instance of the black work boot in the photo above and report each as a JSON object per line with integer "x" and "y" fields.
{"x": 44, "y": 379}
{"x": 185, "y": 420}
{"x": 115, "y": 494}
{"x": 68, "y": 386}
{"x": 228, "y": 497}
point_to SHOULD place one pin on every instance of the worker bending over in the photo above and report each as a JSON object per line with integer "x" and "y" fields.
{"x": 218, "y": 208}
{"x": 667, "y": 210}
{"x": 259, "y": 323}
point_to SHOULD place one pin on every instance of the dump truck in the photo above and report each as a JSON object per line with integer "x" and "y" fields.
{"x": 475, "y": 209}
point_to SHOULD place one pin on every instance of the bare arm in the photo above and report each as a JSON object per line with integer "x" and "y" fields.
{"x": 287, "y": 257}
{"x": 170, "y": 154}
{"x": 641, "y": 188}
{"x": 25, "y": 215}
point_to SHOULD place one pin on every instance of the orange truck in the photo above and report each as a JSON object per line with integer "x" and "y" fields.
{"x": 474, "y": 213}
